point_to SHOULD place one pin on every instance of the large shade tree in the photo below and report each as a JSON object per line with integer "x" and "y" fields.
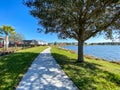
{"x": 77, "y": 19}
{"x": 7, "y": 30}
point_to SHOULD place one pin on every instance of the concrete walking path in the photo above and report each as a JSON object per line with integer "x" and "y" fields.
{"x": 45, "y": 74}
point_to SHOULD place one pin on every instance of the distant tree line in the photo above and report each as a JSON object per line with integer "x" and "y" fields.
{"x": 106, "y": 43}
{"x": 64, "y": 43}
{"x": 75, "y": 43}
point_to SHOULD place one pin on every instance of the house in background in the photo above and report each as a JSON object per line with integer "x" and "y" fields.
{"x": 29, "y": 42}
{"x": 34, "y": 42}
{"x": 26, "y": 43}
{"x": 40, "y": 42}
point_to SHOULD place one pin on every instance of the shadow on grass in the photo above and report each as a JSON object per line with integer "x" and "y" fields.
{"x": 13, "y": 67}
{"x": 87, "y": 76}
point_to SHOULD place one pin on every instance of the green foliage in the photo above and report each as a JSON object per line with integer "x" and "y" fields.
{"x": 90, "y": 75}
{"x": 13, "y": 67}
{"x": 78, "y": 19}
{"x": 7, "y": 29}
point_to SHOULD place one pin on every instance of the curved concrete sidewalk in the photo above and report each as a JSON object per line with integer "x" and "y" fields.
{"x": 45, "y": 74}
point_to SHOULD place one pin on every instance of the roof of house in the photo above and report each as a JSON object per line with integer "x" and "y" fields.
{"x": 1, "y": 38}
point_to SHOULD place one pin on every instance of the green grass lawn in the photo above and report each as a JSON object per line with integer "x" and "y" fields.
{"x": 13, "y": 66}
{"x": 11, "y": 49}
{"x": 90, "y": 75}
{"x": 1, "y": 49}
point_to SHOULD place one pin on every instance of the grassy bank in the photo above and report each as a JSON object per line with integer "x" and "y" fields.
{"x": 13, "y": 66}
{"x": 91, "y": 75}
{"x": 1, "y": 49}
{"x": 11, "y": 49}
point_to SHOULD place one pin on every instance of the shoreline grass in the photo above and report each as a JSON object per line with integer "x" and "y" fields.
{"x": 13, "y": 66}
{"x": 92, "y": 57}
{"x": 90, "y": 75}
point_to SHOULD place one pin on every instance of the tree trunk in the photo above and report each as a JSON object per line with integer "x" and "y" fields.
{"x": 80, "y": 51}
{"x": 6, "y": 43}
{"x": 15, "y": 46}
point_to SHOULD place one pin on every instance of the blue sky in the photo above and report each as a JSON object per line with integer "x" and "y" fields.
{"x": 14, "y": 13}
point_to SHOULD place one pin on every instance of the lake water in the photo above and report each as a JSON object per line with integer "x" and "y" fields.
{"x": 100, "y": 51}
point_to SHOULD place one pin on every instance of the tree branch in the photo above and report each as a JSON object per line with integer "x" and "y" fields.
{"x": 104, "y": 27}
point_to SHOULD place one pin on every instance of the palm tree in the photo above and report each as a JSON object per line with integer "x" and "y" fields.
{"x": 7, "y": 30}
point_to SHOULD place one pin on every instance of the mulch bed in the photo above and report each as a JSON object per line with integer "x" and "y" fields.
{"x": 2, "y": 53}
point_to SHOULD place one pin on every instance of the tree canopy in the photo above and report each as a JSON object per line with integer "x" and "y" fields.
{"x": 18, "y": 37}
{"x": 77, "y": 19}
{"x": 7, "y": 30}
